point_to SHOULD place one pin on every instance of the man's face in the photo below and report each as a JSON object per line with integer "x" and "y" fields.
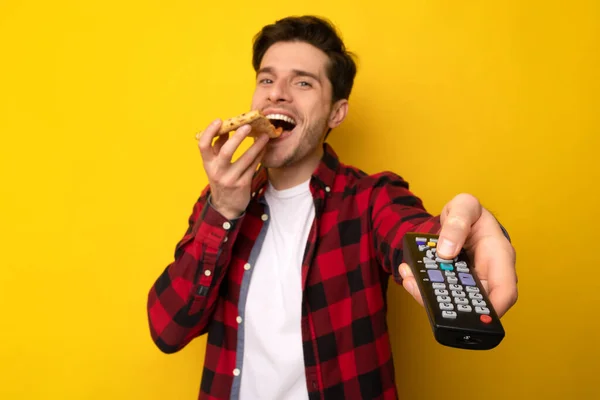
{"x": 292, "y": 84}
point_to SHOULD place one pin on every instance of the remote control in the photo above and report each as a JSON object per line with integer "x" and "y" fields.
{"x": 458, "y": 308}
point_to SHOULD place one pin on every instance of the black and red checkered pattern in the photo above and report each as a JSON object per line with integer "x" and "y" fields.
{"x": 355, "y": 244}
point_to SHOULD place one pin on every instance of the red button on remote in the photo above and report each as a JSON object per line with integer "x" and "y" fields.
{"x": 486, "y": 319}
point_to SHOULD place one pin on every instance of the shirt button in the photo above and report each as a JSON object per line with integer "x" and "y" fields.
{"x": 236, "y": 372}
{"x": 327, "y": 189}
{"x": 264, "y": 217}
{"x": 239, "y": 319}
{"x": 226, "y": 239}
{"x": 226, "y": 225}
{"x": 253, "y": 194}
{"x": 247, "y": 266}
{"x": 207, "y": 272}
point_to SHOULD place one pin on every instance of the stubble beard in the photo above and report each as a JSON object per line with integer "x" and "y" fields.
{"x": 307, "y": 145}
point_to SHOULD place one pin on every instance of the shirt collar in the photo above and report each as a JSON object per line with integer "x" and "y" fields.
{"x": 327, "y": 169}
{"x": 323, "y": 176}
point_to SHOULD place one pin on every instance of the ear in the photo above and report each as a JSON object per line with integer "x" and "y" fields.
{"x": 338, "y": 113}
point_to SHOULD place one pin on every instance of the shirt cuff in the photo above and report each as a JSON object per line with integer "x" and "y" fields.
{"x": 213, "y": 207}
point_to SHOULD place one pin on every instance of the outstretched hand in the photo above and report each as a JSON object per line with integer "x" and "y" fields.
{"x": 466, "y": 223}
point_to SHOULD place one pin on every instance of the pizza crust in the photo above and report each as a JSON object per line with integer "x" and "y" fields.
{"x": 257, "y": 121}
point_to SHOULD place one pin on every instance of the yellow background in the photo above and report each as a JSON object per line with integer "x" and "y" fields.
{"x": 99, "y": 104}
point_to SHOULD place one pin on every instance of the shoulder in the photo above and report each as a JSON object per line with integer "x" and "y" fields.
{"x": 353, "y": 177}
{"x": 380, "y": 189}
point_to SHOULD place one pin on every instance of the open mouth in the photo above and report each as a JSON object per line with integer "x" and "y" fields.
{"x": 282, "y": 121}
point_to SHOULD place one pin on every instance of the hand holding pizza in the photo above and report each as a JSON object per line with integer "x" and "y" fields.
{"x": 230, "y": 181}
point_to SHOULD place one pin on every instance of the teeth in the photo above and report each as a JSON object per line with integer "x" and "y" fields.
{"x": 282, "y": 117}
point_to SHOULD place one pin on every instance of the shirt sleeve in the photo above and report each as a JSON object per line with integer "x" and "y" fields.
{"x": 182, "y": 301}
{"x": 395, "y": 211}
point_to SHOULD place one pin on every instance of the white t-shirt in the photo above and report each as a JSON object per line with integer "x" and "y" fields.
{"x": 273, "y": 363}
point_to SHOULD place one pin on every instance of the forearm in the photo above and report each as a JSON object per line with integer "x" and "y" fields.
{"x": 183, "y": 299}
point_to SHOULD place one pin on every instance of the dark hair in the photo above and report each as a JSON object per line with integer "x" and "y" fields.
{"x": 319, "y": 33}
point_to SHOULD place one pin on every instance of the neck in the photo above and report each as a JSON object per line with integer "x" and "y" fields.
{"x": 292, "y": 175}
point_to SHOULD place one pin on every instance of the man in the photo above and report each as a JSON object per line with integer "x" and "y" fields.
{"x": 286, "y": 268}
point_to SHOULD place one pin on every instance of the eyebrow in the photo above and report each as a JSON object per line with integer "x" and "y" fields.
{"x": 296, "y": 72}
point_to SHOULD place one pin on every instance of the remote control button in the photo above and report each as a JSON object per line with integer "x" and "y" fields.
{"x": 472, "y": 289}
{"x": 476, "y": 296}
{"x": 431, "y": 244}
{"x": 456, "y": 287}
{"x": 447, "y": 306}
{"x": 450, "y": 273}
{"x": 461, "y": 264}
{"x": 446, "y": 267}
{"x": 478, "y": 303}
{"x": 486, "y": 319}
{"x": 431, "y": 266}
{"x": 458, "y": 293}
{"x": 434, "y": 240}
{"x": 435, "y": 275}
{"x": 482, "y": 310}
{"x": 421, "y": 239}
{"x": 444, "y": 299}
{"x": 463, "y": 269}
{"x": 452, "y": 279}
{"x": 428, "y": 261}
{"x": 464, "y": 308}
{"x": 441, "y": 292}
{"x": 439, "y": 286}
{"x": 443, "y": 260}
{"x": 429, "y": 254}
{"x": 461, "y": 300}
{"x": 449, "y": 314}
{"x": 423, "y": 247}
{"x": 466, "y": 279}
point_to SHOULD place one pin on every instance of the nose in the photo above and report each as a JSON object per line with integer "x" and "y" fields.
{"x": 279, "y": 92}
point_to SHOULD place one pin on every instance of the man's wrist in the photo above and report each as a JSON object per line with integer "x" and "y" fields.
{"x": 231, "y": 216}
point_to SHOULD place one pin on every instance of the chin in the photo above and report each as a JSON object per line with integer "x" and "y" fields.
{"x": 278, "y": 157}
{"x": 271, "y": 160}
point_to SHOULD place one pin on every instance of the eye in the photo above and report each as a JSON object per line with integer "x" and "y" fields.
{"x": 265, "y": 81}
{"x": 304, "y": 84}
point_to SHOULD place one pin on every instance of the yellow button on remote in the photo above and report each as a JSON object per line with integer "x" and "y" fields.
{"x": 431, "y": 244}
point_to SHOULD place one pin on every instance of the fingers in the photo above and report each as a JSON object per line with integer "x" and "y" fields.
{"x": 218, "y": 144}
{"x": 503, "y": 298}
{"x": 457, "y": 218}
{"x": 495, "y": 263}
{"x": 225, "y": 147}
{"x": 251, "y": 157}
{"x": 409, "y": 283}
{"x": 249, "y": 172}
{"x": 206, "y": 138}
{"x": 228, "y": 150}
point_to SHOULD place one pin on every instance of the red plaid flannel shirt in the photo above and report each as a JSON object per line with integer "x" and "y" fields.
{"x": 354, "y": 245}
